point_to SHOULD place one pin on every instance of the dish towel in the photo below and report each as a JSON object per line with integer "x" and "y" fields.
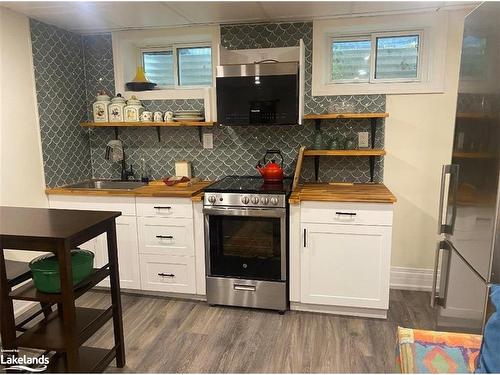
{"x": 489, "y": 358}
{"x": 114, "y": 150}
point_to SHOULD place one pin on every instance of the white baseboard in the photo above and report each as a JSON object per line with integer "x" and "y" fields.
{"x": 340, "y": 310}
{"x": 407, "y": 278}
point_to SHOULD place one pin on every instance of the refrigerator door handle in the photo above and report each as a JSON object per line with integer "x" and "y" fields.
{"x": 439, "y": 298}
{"x": 452, "y": 170}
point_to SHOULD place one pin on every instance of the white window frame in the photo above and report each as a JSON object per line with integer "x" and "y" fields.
{"x": 174, "y": 49}
{"x": 433, "y": 28}
{"x": 354, "y": 38}
{"x": 421, "y": 63}
{"x": 372, "y": 38}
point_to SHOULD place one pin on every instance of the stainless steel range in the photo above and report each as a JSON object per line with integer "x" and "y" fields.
{"x": 246, "y": 242}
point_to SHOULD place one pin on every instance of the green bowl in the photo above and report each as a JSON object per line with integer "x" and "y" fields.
{"x": 46, "y": 275}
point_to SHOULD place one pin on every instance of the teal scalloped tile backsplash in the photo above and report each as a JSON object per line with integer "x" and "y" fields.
{"x": 88, "y": 68}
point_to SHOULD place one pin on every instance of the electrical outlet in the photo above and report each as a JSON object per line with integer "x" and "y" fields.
{"x": 363, "y": 139}
{"x": 208, "y": 140}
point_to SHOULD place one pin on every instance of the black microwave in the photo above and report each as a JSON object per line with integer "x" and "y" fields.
{"x": 258, "y": 94}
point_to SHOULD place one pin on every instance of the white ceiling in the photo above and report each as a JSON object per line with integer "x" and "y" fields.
{"x": 94, "y": 16}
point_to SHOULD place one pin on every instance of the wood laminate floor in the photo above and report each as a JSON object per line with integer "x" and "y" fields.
{"x": 172, "y": 335}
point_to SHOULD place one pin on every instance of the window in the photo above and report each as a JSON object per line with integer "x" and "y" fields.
{"x": 178, "y": 66}
{"x": 159, "y": 67}
{"x": 195, "y": 66}
{"x": 397, "y": 57}
{"x": 351, "y": 59}
{"x": 379, "y": 57}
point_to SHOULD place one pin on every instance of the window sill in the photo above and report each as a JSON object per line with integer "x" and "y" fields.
{"x": 378, "y": 88}
{"x": 171, "y": 94}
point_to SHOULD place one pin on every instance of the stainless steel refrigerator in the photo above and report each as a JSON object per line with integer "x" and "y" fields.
{"x": 468, "y": 256}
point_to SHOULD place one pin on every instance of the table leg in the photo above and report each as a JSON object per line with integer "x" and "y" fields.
{"x": 68, "y": 308}
{"x": 115, "y": 295}
{"x": 7, "y": 319}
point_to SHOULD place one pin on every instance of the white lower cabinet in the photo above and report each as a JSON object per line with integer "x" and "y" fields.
{"x": 340, "y": 261}
{"x": 166, "y": 245}
{"x": 168, "y": 273}
{"x": 155, "y": 238}
{"x": 128, "y": 257}
{"x": 166, "y": 236}
{"x": 126, "y": 234}
{"x": 345, "y": 265}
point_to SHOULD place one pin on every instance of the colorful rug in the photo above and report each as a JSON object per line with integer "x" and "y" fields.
{"x": 431, "y": 352}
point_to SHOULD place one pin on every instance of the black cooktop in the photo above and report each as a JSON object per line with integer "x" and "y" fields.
{"x": 250, "y": 184}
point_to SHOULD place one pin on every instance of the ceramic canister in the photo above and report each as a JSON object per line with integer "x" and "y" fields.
{"x": 133, "y": 110}
{"x": 116, "y": 109}
{"x": 100, "y": 107}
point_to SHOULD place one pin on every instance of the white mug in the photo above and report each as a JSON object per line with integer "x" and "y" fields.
{"x": 169, "y": 116}
{"x": 147, "y": 116}
{"x": 158, "y": 117}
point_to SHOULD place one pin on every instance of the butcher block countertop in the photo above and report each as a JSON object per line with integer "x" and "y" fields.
{"x": 194, "y": 191}
{"x": 370, "y": 193}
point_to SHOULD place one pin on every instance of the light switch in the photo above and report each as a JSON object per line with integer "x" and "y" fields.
{"x": 362, "y": 139}
{"x": 208, "y": 140}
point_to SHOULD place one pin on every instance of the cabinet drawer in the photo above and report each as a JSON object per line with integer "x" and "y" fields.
{"x": 164, "y": 207}
{"x": 168, "y": 273}
{"x": 346, "y": 213}
{"x": 166, "y": 236}
{"x": 125, "y": 205}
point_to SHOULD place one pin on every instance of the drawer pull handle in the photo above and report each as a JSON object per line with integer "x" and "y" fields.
{"x": 345, "y": 213}
{"x": 245, "y": 288}
{"x": 166, "y": 274}
{"x": 165, "y": 237}
{"x": 162, "y": 207}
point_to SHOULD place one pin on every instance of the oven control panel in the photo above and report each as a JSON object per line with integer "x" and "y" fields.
{"x": 244, "y": 200}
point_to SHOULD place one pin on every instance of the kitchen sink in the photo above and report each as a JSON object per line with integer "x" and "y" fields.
{"x": 106, "y": 185}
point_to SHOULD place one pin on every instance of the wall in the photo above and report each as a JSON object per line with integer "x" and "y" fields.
{"x": 60, "y": 87}
{"x": 21, "y": 169}
{"x": 419, "y": 135}
{"x": 236, "y": 149}
{"x": 21, "y": 173}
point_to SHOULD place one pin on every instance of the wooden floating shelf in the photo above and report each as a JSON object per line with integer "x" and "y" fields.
{"x": 327, "y": 116}
{"x": 148, "y": 124}
{"x": 368, "y": 152}
{"x": 474, "y": 155}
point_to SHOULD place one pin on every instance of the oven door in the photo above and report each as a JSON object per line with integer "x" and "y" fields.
{"x": 246, "y": 243}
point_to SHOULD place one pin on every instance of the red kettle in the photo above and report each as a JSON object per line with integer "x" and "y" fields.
{"x": 272, "y": 171}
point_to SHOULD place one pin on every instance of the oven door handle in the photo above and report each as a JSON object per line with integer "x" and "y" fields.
{"x": 236, "y": 211}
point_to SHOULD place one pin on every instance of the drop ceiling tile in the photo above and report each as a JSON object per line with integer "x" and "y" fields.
{"x": 305, "y": 10}
{"x": 391, "y": 6}
{"x": 219, "y": 11}
{"x": 139, "y": 14}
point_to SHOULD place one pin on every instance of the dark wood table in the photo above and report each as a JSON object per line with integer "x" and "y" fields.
{"x": 65, "y": 330}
